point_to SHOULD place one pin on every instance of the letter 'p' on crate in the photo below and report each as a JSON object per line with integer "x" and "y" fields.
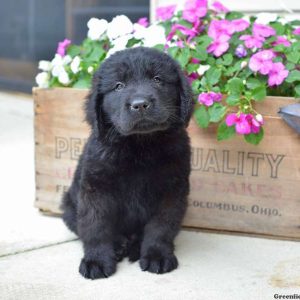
{"x": 235, "y": 186}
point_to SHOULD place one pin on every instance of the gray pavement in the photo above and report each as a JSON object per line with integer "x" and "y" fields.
{"x": 39, "y": 257}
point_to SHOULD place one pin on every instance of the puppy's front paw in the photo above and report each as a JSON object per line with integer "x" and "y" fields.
{"x": 94, "y": 269}
{"x": 157, "y": 262}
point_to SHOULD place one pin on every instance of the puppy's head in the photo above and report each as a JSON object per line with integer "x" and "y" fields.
{"x": 139, "y": 91}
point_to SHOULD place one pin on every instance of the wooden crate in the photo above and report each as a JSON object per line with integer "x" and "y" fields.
{"x": 234, "y": 186}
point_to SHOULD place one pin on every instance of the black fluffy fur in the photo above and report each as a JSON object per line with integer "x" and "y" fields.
{"x": 129, "y": 192}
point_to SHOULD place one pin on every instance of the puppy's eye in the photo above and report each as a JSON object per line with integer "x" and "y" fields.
{"x": 119, "y": 86}
{"x": 157, "y": 79}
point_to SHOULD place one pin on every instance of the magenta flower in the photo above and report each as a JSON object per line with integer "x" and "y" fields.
{"x": 219, "y": 46}
{"x": 143, "y": 22}
{"x": 255, "y": 123}
{"x": 219, "y": 7}
{"x": 164, "y": 13}
{"x": 277, "y": 74}
{"x": 281, "y": 40}
{"x": 209, "y": 98}
{"x": 297, "y": 31}
{"x": 242, "y": 125}
{"x": 220, "y": 27}
{"x": 263, "y": 30}
{"x": 195, "y": 60}
{"x": 62, "y": 47}
{"x": 194, "y": 9}
{"x": 192, "y": 77}
{"x": 252, "y": 41}
{"x": 262, "y": 61}
{"x": 239, "y": 25}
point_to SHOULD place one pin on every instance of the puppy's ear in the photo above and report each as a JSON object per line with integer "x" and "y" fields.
{"x": 186, "y": 98}
{"x": 93, "y": 107}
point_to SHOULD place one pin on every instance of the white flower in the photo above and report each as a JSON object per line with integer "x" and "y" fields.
{"x": 42, "y": 79}
{"x": 45, "y": 65}
{"x": 66, "y": 59}
{"x": 266, "y": 18}
{"x": 90, "y": 69}
{"x": 154, "y": 35}
{"x": 96, "y": 28}
{"x": 139, "y": 31}
{"x": 259, "y": 118}
{"x": 119, "y": 26}
{"x": 57, "y": 60}
{"x": 63, "y": 78}
{"x": 243, "y": 64}
{"x": 119, "y": 44}
{"x": 75, "y": 64}
{"x": 202, "y": 69}
{"x": 57, "y": 70}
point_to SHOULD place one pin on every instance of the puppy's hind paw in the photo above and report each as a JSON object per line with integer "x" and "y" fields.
{"x": 94, "y": 269}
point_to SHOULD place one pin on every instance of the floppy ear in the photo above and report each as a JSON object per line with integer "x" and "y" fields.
{"x": 93, "y": 107}
{"x": 186, "y": 99}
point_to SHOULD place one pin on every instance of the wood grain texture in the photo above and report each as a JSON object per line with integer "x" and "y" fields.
{"x": 234, "y": 186}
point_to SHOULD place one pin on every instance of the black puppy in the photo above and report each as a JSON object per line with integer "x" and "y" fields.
{"x": 130, "y": 189}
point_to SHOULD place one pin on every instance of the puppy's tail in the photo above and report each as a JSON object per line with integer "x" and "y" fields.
{"x": 69, "y": 212}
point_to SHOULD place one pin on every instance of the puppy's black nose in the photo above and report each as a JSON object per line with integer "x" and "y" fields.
{"x": 139, "y": 105}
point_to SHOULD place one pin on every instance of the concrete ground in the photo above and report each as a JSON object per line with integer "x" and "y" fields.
{"x": 39, "y": 257}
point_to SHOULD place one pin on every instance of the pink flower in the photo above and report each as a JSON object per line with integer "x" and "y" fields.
{"x": 263, "y": 30}
{"x": 242, "y": 125}
{"x": 262, "y": 61}
{"x": 296, "y": 31}
{"x": 219, "y": 46}
{"x": 252, "y": 41}
{"x": 143, "y": 22}
{"x": 189, "y": 32}
{"x": 219, "y": 7}
{"x": 220, "y": 27}
{"x": 281, "y": 40}
{"x": 194, "y": 9}
{"x": 255, "y": 123}
{"x": 164, "y": 13}
{"x": 240, "y": 25}
{"x": 209, "y": 98}
{"x": 62, "y": 47}
{"x": 277, "y": 74}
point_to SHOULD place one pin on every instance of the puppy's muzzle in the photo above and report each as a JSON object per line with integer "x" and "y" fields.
{"x": 139, "y": 105}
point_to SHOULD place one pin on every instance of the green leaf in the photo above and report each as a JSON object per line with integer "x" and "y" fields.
{"x": 216, "y": 112}
{"x": 201, "y": 116}
{"x": 201, "y": 53}
{"x": 290, "y": 66}
{"x": 280, "y": 48}
{"x": 259, "y": 93}
{"x": 233, "y": 99}
{"x": 213, "y": 75}
{"x": 253, "y": 138}
{"x": 173, "y": 51}
{"x": 227, "y": 59}
{"x": 224, "y": 132}
{"x": 96, "y": 54}
{"x": 280, "y": 29}
{"x": 183, "y": 57}
{"x": 293, "y": 57}
{"x": 234, "y": 15}
{"x": 190, "y": 68}
{"x": 195, "y": 86}
{"x": 203, "y": 40}
{"x": 252, "y": 83}
{"x": 297, "y": 90}
{"x": 73, "y": 50}
{"x": 235, "y": 86}
{"x": 293, "y": 76}
{"x": 83, "y": 83}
